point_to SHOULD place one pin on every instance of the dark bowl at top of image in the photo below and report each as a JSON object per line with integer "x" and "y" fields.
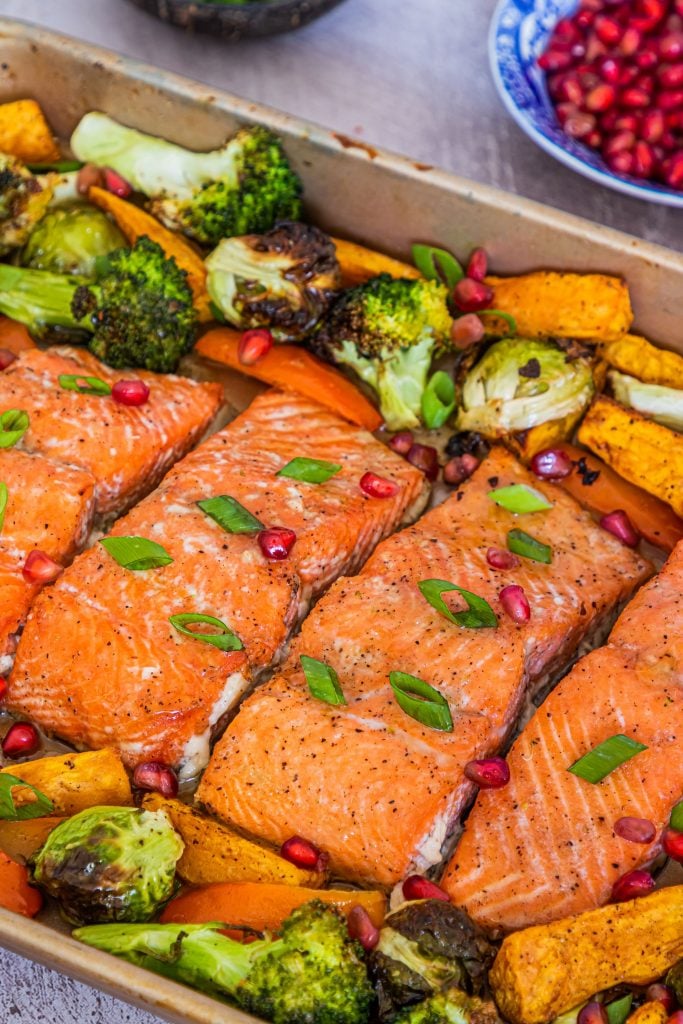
{"x": 235, "y": 21}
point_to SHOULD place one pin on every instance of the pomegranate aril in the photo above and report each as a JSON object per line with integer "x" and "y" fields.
{"x": 130, "y": 392}
{"x": 671, "y": 100}
{"x": 114, "y": 182}
{"x": 378, "y": 486}
{"x": 471, "y": 296}
{"x": 254, "y": 345}
{"x": 402, "y": 442}
{"x": 595, "y": 48}
{"x": 635, "y": 830}
{"x": 592, "y": 1013}
{"x": 362, "y": 929}
{"x": 88, "y": 177}
{"x": 672, "y": 844}
{"x": 566, "y": 31}
{"x": 515, "y": 603}
{"x": 632, "y": 885}
{"x": 302, "y": 853}
{"x": 644, "y": 160}
{"x": 652, "y": 126}
{"x": 593, "y": 139}
{"x": 40, "y": 568}
{"x": 627, "y": 123}
{"x": 566, "y": 110}
{"x": 660, "y": 993}
{"x": 635, "y": 97}
{"x": 676, "y": 1017}
{"x": 580, "y": 125}
{"x": 478, "y": 263}
{"x": 619, "y": 524}
{"x": 156, "y": 777}
{"x": 621, "y": 142}
{"x": 620, "y": 163}
{"x": 459, "y": 468}
{"x": 551, "y": 464}
{"x": 499, "y": 558}
{"x": 609, "y": 69}
{"x": 607, "y": 30}
{"x": 673, "y": 170}
{"x": 426, "y": 458}
{"x": 628, "y": 76}
{"x": 630, "y": 41}
{"x": 467, "y": 330}
{"x": 585, "y": 18}
{"x": 6, "y": 358}
{"x": 416, "y": 887}
{"x": 559, "y": 58}
{"x": 276, "y": 542}
{"x": 21, "y": 740}
{"x": 671, "y": 76}
{"x": 488, "y": 773}
{"x": 646, "y": 59}
{"x": 671, "y": 47}
{"x": 3, "y": 688}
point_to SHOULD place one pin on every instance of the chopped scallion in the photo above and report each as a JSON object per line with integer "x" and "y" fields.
{"x": 84, "y": 385}
{"x": 528, "y": 547}
{"x": 421, "y": 701}
{"x": 599, "y": 762}
{"x": 9, "y": 811}
{"x": 61, "y": 166}
{"x": 438, "y": 400}
{"x": 323, "y": 681}
{"x": 437, "y": 265}
{"x": 230, "y": 515}
{"x": 4, "y": 495}
{"x": 224, "y": 640}
{"x": 619, "y": 1009}
{"x": 509, "y": 319}
{"x": 13, "y": 425}
{"x": 479, "y": 614}
{"x": 310, "y": 471}
{"x": 676, "y": 819}
{"x": 520, "y": 498}
{"x": 136, "y": 552}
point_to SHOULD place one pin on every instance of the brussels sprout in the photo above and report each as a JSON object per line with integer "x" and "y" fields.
{"x": 664, "y": 405}
{"x": 69, "y": 239}
{"x": 674, "y": 980}
{"x": 109, "y": 864}
{"x": 519, "y": 383}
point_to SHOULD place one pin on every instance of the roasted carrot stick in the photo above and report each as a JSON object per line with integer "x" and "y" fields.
{"x": 261, "y": 905}
{"x": 15, "y": 892}
{"x": 135, "y": 222}
{"x": 358, "y": 264}
{"x": 294, "y": 369}
{"x": 14, "y": 336}
{"x": 654, "y": 519}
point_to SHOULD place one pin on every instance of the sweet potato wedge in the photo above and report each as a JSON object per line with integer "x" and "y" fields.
{"x": 639, "y": 358}
{"x": 359, "y": 264}
{"x": 649, "y": 1013}
{"x": 25, "y": 133}
{"x": 642, "y": 451}
{"x": 548, "y": 304}
{"x": 16, "y": 892}
{"x": 74, "y": 782}
{"x": 20, "y": 839}
{"x": 14, "y": 336}
{"x": 215, "y": 853}
{"x": 543, "y": 971}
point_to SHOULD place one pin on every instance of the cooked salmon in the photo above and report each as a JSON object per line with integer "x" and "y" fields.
{"x": 99, "y": 664}
{"x": 377, "y": 790}
{"x": 545, "y": 847}
{"x": 126, "y": 449}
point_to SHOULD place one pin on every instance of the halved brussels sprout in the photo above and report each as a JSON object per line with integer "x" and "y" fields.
{"x": 69, "y": 240}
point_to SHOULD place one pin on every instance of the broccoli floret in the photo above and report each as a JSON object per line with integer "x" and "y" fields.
{"x": 312, "y": 974}
{"x": 244, "y": 187}
{"x": 450, "y": 1006}
{"x": 24, "y": 199}
{"x": 284, "y": 279}
{"x": 139, "y": 309}
{"x": 388, "y": 331}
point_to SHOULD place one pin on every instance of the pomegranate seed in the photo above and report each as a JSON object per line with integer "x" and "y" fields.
{"x": 551, "y": 464}
{"x": 416, "y": 887}
{"x": 565, "y": 111}
{"x": 362, "y": 929}
{"x": 515, "y": 603}
{"x": 646, "y": 59}
{"x": 609, "y": 68}
{"x": 130, "y": 392}
{"x": 672, "y": 844}
{"x": 620, "y": 163}
{"x": 592, "y": 1013}
{"x": 459, "y": 468}
{"x": 619, "y": 143}
{"x": 40, "y": 568}
{"x": 671, "y": 76}
{"x": 156, "y": 776}
{"x": 652, "y": 126}
{"x": 630, "y": 41}
{"x": 628, "y": 76}
{"x": 471, "y": 296}
{"x": 585, "y": 18}
{"x": 489, "y": 773}
{"x": 254, "y": 345}
{"x": 635, "y": 97}
{"x": 619, "y": 524}
{"x": 608, "y": 121}
{"x": 114, "y": 182}
{"x": 635, "y": 830}
{"x": 467, "y": 330}
{"x": 676, "y": 1017}
{"x": 21, "y": 740}
{"x": 276, "y": 542}
{"x": 632, "y": 885}
{"x": 378, "y": 486}
{"x": 607, "y": 30}
{"x": 593, "y": 139}
{"x": 627, "y": 123}
{"x": 672, "y": 100}
{"x": 660, "y": 993}
{"x": 580, "y": 124}
{"x": 3, "y": 688}
{"x": 402, "y": 443}
{"x": 595, "y": 49}
{"x": 566, "y": 31}
{"x": 555, "y": 59}
{"x": 478, "y": 263}
{"x": 302, "y": 853}
{"x": 88, "y": 177}
{"x": 671, "y": 47}
{"x": 644, "y": 160}
{"x": 426, "y": 458}
{"x": 673, "y": 172}
{"x": 499, "y": 558}
{"x": 6, "y": 358}
{"x": 570, "y": 90}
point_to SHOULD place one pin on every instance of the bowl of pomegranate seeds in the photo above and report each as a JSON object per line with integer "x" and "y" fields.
{"x": 598, "y": 84}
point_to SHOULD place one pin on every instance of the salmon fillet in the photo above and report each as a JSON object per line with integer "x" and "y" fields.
{"x": 544, "y": 847}
{"x": 377, "y": 790}
{"x": 99, "y": 664}
{"x": 126, "y": 449}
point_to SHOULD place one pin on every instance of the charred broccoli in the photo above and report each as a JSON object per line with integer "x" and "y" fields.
{"x": 450, "y": 1007}
{"x": 423, "y": 947}
{"x": 312, "y": 974}
{"x": 24, "y": 199}
{"x": 139, "y": 309}
{"x": 246, "y": 186}
{"x": 69, "y": 239}
{"x": 284, "y": 280}
{"x": 388, "y": 330}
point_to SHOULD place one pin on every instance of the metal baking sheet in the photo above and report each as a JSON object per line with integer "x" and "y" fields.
{"x": 355, "y": 191}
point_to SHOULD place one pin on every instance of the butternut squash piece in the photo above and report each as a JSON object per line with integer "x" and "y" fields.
{"x": 25, "y": 133}
{"x": 358, "y": 264}
{"x": 649, "y": 1013}
{"x": 543, "y": 971}
{"x": 639, "y": 358}
{"x": 21, "y": 839}
{"x": 74, "y": 782}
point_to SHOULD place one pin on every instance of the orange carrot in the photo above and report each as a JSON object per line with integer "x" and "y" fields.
{"x": 135, "y": 222}
{"x": 654, "y": 519}
{"x": 359, "y": 264}
{"x": 294, "y": 369}
{"x": 262, "y": 905}
{"x": 14, "y": 336}
{"x": 15, "y": 892}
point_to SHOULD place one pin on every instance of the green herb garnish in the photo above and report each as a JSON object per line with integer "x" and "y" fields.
{"x": 323, "y": 681}
{"x": 230, "y": 515}
{"x": 136, "y": 553}
{"x": 310, "y": 471}
{"x": 13, "y": 425}
{"x": 421, "y": 701}
{"x": 224, "y": 640}
{"x": 84, "y": 385}
{"x": 479, "y": 612}
{"x": 598, "y": 763}
{"x": 520, "y": 498}
{"x": 437, "y": 265}
{"x": 438, "y": 400}
{"x": 528, "y": 547}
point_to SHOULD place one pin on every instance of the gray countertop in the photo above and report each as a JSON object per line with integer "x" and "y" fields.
{"x": 416, "y": 82}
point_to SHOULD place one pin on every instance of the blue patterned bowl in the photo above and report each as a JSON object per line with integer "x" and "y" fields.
{"x": 519, "y": 32}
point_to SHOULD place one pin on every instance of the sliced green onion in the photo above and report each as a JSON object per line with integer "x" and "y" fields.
{"x": 619, "y": 1009}
{"x": 136, "y": 552}
{"x": 61, "y": 166}
{"x": 13, "y": 425}
{"x": 510, "y": 320}
{"x": 4, "y": 495}
{"x": 225, "y": 640}
{"x": 323, "y": 681}
{"x": 438, "y": 400}
{"x": 519, "y": 498}
{"x": 479, "y": 615}
{"x": 421, "y": 701}
{"x": 9, "y": 811}
{"x": 676, "y": 819}
{"x": 598, "y": 763}
{"x": 310, "y": 471}
{"x": 230, "y": 515}
{"x": 437, "y": 265}
{"x": 85, "y": 385}
{"x": 528, "y": 547}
